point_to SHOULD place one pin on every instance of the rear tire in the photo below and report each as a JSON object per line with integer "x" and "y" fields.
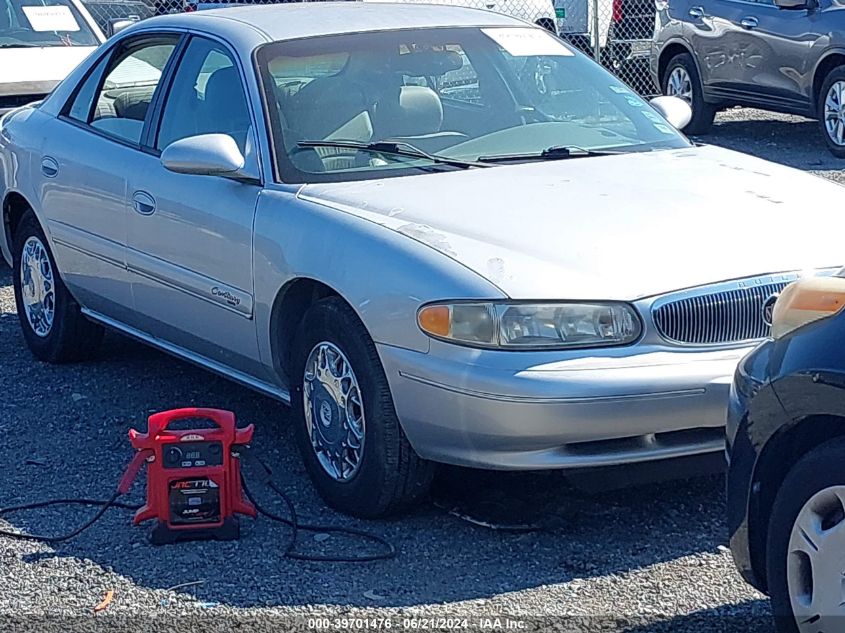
{"x": 831, "y": 107}
{"x": 681, "y": 79}
{"x": 371, "y": 472}
{"x": 53, "y": 326}
{"x": 815, "y": 488}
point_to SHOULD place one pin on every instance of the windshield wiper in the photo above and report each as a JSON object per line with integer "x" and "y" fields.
{"x": 396, "y": 148}
{"x": 556, "y": 152}
{"x": 19, "y": 45}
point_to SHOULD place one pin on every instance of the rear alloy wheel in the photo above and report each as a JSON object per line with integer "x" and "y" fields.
{"x": 681, "y": 79}
{"x": 346, "y": 426}
{"x": 806, "y": 545}
{"x": 53, "y": 325}
{"x": 832, "y": 111}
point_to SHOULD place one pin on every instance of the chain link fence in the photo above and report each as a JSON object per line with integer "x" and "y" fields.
{"x": 616, "y": 32}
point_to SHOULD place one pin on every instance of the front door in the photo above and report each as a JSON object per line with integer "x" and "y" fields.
{"x": 190, "y": 237}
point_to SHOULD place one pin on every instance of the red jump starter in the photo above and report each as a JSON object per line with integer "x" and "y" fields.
{"x": 193, "y": 476}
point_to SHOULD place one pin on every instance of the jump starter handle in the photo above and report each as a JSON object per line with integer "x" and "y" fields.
{"x": 132, "y": 470}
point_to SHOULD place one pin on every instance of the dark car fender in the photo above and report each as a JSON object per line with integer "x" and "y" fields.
{"x": 802, "y": 407}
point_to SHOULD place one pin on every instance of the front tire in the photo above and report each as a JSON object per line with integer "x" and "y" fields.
{"x": 53, "y": 325}
{"x": 681, "y": 79}
{"x": 806, "y": 544}
{"x": 345, "y": 423}
{"x": 832, "y": 111}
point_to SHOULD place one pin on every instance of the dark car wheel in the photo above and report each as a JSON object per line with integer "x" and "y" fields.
{"x": 345, "y": 423}
{"x": 832, "y": 111}
{"x": 53, "y": 326}
{"x": 806, "y": 544}
{"x": 681, "y": 79}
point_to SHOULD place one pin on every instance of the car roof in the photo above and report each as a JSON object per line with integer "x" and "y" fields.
{"x": 309, "y": 19}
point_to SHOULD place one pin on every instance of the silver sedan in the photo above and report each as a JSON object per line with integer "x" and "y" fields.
{"x": 441, "y": 234}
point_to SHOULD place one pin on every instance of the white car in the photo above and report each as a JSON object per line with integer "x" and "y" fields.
{"x": 40, "y": 43}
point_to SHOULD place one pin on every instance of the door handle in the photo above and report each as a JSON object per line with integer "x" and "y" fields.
{"x": 748, "y": 23}
{"x": 143, "y": 203}
{"x": 49, "y": 167}
{"x": 696, "y": 12}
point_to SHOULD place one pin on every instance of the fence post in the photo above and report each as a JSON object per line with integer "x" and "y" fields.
{"x": 596, "y": 34}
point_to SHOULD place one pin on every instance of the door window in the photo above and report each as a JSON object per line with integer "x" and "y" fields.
{"x": 207, "y": 97}
{"x": 80, "y": 107}
{"x": 127, "y": 90}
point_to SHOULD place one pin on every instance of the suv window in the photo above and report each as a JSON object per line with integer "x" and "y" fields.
{"x": 126, "y": 92}
{"x": 207, "y": 97}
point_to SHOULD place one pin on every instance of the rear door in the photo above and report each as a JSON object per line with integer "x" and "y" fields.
{"x": 190, "y": 237}
{"x": 712, "y": 32}
{"x": 82, "y": 167}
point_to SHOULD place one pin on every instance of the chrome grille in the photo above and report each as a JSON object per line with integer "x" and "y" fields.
{"x": 718, "y": 317}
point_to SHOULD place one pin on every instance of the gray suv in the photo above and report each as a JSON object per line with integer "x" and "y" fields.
{"x": 781, "y": 55}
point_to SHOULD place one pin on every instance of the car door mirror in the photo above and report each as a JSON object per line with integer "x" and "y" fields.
{"x": 119, "y": 24}
{"x": 207, "y": 155}
{"x": 674, "y": 109}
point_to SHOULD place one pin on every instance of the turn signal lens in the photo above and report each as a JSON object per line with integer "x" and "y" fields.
{"x": 435, "y": 320}
{"x": 805, "y": 301}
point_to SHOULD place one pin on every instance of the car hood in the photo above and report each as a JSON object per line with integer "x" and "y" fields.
{"x": 35, "y": 71}
{"x": 615, "y": 227}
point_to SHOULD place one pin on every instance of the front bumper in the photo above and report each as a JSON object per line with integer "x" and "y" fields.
{"x": 511, "y": 410}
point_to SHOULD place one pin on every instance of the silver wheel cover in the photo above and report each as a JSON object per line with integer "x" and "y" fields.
{"x": 815, "y": 564}
{"x": 679, "y": 84}
{"x": 834, "y": 113}
{"x": 37, "y": 287}
{"x": 334, "y": 411}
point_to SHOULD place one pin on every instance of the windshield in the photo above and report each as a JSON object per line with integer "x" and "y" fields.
{"x": 468, "y": 94}
{"x": 27, "y": 23}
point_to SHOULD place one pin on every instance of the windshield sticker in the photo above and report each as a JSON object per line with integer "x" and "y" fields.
{"x": 528, "y": 42}
{"x": 653, "y": 116}
{"x": 620, "y": 90}
{"x": 56, "y": 18}
{"x": 663, "y": 128}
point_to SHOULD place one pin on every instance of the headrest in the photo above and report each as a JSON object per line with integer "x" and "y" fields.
{"x": 417, "y": 111}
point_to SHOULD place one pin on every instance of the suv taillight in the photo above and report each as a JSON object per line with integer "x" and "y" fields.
{"x": 617, "y": 11}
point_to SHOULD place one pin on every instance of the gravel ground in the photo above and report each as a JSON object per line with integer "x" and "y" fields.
{"x": 651, "y": 558}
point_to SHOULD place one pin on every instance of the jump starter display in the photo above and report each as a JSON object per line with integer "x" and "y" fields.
{"x": 193, "y": 476}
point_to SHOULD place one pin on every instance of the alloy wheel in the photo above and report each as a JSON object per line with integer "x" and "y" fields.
{"x": 37, "y": 287}
{"x": 815, "y": 567}
{"x": 334, "y": 411}
{"x": 834, "y": 113}
{"x": 679, "y": 84}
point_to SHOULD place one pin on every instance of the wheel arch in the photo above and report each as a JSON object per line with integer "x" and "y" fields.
{"x": 15, "y": 205}
{"x": 827, "y": 63}
{"x": 779, "y": 455}
{"x": 673, "y": 48}
{"x": 289, "y": 307}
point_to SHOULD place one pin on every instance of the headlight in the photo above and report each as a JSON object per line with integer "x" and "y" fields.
{"x": 532, "y": 326}
{"x": 805, "y": 301}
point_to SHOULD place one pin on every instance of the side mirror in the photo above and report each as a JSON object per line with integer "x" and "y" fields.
{"x": 117, "y": 25}
{"x": 207, "y": 155}
{"x": 674, "y": 109}
{"x": 793, "y": 4}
